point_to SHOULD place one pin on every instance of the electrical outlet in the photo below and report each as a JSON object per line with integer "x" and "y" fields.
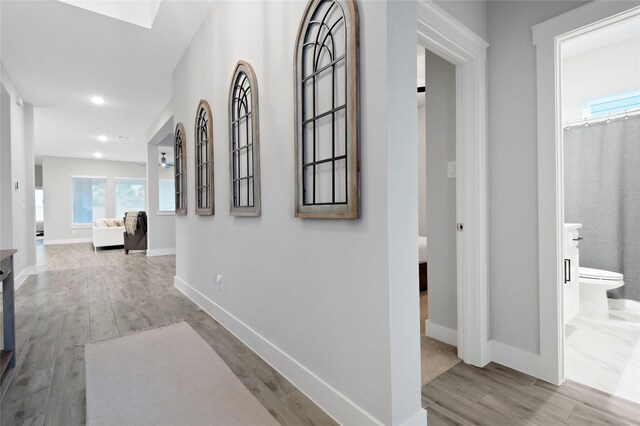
{"x": 451, "y": 170}
{"x": 220, "y": 282}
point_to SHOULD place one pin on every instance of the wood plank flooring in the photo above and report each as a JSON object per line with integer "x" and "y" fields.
{"x": 497, "y": 395}
{"x": 83, "y": 297}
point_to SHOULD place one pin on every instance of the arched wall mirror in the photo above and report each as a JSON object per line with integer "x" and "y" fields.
{"x": 203, "y": 144}
{"x": 326, "y": 108}
{"x": 180, "y": 169}
{"x": 244, "y": 142}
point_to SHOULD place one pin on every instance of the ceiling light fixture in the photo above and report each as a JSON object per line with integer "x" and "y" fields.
{"x": 97, "y": 100}
{"x": 97, "y": 154}
{"x": 102, "y": 138}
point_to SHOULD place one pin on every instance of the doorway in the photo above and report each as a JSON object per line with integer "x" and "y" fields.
{"x": 600, "y": 115}
{"x": 548, "y": 37}
{"x": 452, "y": 41}
{"x": 437, "y": 213}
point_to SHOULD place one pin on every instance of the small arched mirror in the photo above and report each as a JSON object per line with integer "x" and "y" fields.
{"x": 244, "y": 142}
{"x": 203, "y": 143}
{"x": 180, "y": 170}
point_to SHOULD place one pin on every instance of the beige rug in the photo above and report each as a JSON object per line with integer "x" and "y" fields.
{"x": 436, "y": 357}
{"x": 165, "y": 376}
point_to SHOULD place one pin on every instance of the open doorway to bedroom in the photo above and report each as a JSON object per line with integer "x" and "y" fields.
{"x": 436, "y": 107}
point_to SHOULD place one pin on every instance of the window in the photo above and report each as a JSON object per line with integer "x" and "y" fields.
{"x": 130, "y": 195}
{"x": 244, "y": 142}
{"x": 612, "y": 104}
{"x": 88, "y": 199}
{"x": 326, "y": 70}
{"x": 166, "y": 195}
{"x": 180, "y": 170}
{"x": 39, "y": 205}
{"x": 204, "y": 160}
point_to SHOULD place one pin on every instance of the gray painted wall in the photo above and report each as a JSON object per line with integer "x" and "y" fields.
{"x": 38, "y": 176}
{"x": 57, "y": 172}
{"x": 162, "y": 226}
{"x": 18, "y": 227}
{"x": 353, "y": 318}
{"x": 513, "y": 169}
{"x": 422, "y": 171}
{"x": 472, "y": 13}
{"x": 441, "y": 192}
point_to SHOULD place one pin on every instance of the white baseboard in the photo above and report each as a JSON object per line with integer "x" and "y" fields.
{"x": 67, "y": 241}
{"x": 18, "y": 280}
{"x": 418, "y": 419}
{"x": 337, "y": 405}
{"x": 161, "y": 252}
{"x": 441, "y": 333}
{"x": 516, "y": 358}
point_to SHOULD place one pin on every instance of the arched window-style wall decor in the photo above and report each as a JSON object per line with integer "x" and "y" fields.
{"x": 203, "y": 141}
{"x": 244, "y": 142}
{"x": 326, "y": 87}
{"x": 180, "y": 169}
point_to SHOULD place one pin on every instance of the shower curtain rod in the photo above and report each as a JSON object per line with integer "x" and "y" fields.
{"x": 587, "y": 121}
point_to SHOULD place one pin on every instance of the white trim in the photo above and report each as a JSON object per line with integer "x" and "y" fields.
{"x": 28, "y": 271}
{"x": 441, "y": 333}
{"x": 418, "y": 419}
{"x": 130, "y": 178}
{"x": 516, "y": 358}
{"x": 165, "y": 213}
{"x": 161, "y": 252}
{"x": 546, "y": 38}
{"x": 343, "y": 410}
{"x": 67, "y": 241}
{"x": 447, "y": 37}
{"x": 81, "y": 225}
{"x": 88, "y": 177}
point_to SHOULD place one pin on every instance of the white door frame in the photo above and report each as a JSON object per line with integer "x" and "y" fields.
{"x": 442, "y": 34}
{"x": 547, "y": 37}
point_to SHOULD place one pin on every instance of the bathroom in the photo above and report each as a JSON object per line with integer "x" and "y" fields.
{"x": 600, "y": 114}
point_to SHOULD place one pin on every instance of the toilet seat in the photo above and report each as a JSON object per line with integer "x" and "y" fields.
{"x": 600, "y": 274}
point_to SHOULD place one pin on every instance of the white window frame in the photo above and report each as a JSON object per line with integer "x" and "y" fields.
{"x": 90, "y": 224}
{"x": 115, "y": 191}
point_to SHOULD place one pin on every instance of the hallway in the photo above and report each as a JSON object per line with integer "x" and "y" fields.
{"x": 84, "y": 297}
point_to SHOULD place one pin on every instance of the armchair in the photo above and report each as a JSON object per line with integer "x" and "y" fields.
{"x": 137, "y": 241}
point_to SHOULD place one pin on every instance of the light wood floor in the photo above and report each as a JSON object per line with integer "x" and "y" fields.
{"x": 85, "y": 296}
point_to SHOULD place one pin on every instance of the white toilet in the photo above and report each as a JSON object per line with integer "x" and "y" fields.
{"x": 594, "y": 284}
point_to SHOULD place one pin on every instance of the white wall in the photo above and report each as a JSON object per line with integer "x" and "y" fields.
{"x": 513, "y": 204}
{"x": 440, "y": 139}
{"x": 56, "y": 176}
{"x": 601, "y": 72}
{"x": 333, "y": 304}
{"x": 18, "y": 211}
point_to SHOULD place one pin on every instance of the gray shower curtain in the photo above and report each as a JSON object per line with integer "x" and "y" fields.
{"x": 602, "y": 191}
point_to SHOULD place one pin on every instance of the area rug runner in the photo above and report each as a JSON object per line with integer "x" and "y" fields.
{"x": 165, "y": 376}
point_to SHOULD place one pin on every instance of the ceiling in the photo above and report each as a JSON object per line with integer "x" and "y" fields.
{"x": 59, "y": 56}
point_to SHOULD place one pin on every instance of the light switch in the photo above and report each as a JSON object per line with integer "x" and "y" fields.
{"x": 451, "y": 169}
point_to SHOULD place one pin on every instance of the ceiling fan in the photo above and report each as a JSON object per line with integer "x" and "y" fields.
{"x": 163, "y": 161}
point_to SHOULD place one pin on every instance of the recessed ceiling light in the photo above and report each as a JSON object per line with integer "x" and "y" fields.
{"x": 97, "y": 155}
{"x": 102, "y": 138}
{"x": 97, "y": 100}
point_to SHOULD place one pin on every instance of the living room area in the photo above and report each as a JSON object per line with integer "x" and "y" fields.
{"x": 86, "y": 200}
